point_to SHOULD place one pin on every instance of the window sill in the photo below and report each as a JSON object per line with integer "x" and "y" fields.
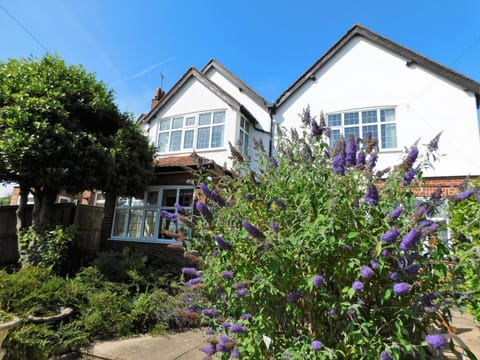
{"x": 144, "y": 240}
{"x": 189, "y": 151}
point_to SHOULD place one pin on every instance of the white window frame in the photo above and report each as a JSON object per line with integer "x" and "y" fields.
{"x": 192, "y": 125}
{"x": 244, "y": 135}
{"x": 158, "y": 220}
{"x": 362, "y": 126}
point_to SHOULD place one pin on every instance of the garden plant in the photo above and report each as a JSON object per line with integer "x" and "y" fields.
{"x": 316, "y": 254}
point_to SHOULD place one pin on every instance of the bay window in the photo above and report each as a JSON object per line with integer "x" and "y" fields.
{"x": 193, "y": 131}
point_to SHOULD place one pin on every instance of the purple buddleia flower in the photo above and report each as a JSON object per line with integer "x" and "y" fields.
{"x": 227, "y": 275}
{"x": 194, "y": 281}
{"x": 372, "y": 161}
{"x": 224, "y": 338}
{"x": 385, "y": 253}
{"x": 409, "y": 176}
{"x": 327, "y": 131}
{"x": 420, "y": 211}
{"x": 274, "y": 227}
{"x": 437, "y": 341}
{"x": 374, "y": 264}
{"x": 242, "y": 292}
{"x": 385, "y": 355}
{"x": 477, "y": 196}
{"x": 395, "y": 213}
{"x": 209, "y": 350}
{"x": 306, "y": 116}
{"x": 169, "y": 216}
{"x": 273, "y": 163}
{"x": 361, "y": 158}
{"x": 394, "y": 275}
{"x": 252, "y": 230}
{"x": 357, "y": 286}
{"x": 371, "y": 196}
{"x": 411, "y": 157}
{"x": 412, "y": 269}
{"x": 316, "y": 345}
{"x": 464, "y": 195}
{"x": 190, "y": 271}
{"x": 180, "y": 209}
{"x": 246, "y": 316}
{"x": 410, "y": 239}
{"x": 238, "y": 329}
{"x": 351, "y": 151}
{"x": 332, "y": 312}
{"x": 227, "y": 324}
{"x": 293, "y": 297}
{"x": 222, "y": 244}
{"x": 425, "y": 223}
{"x": 402, "y": 288}
{"x": 367, "y": 272}
{"x": 209, "y": 331}
{"x": 204, "y": 210}
{"x": 318, "y": 281}
{"x": 433, "y": 144}
{"x": 211, "y": 313}
{"x": 390, "y": 235}
{"x": 317, "y": 130}
{"x": 431, "y": 229}
{"x": 235, "y": 354}
{"x": 437, "y": 194}
{"x": 339, "y": 164}
{"x": 280, "y": 203}
{"x": 221, "y": 348}
{"x": 212, "y": 195}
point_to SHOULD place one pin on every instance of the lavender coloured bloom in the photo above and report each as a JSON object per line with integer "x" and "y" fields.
{"x": 410, "y": 240}
{"x": 374, "y": 264}
{"x": 246, "y": 316}
{"x": 221, "y": 348}
{"x": 390, "y": 235}
{"x": 367, "y": 272}
{"x": 211, "y": 313}
{"x": 227, "y": 324}
{"x": 280, "y": 203}
{"x": 425, "y": 224}
{"x": 412, "y": 269}
{"x": 293, "y": 297}
{"x": 351, "y": 151}
{"x": 412, "y": 156}
{"x": 316, "y": 345}
{"x": 242, "y": 292}
{"x": 273, "y": 163}
{"x": 180, "y": 209}
{"x": 194, "y": 281}
{"x": 371, "y": 196}
{"x": 209, "y": 331}
{"x": 235, "y": 354}
{"x": 431, "y": 229}
{"x": 385, "y": 355}
{"x": 209, "y": 350}
{"x": 395, "y": 213}
{"x": 212, "y": 195}
{"x": 357, "y": 286}
{"x": 239, "y": 285}
{"x": 238, "y": 329}
{"x": 204, "y": 210}
{"x": 252, "y": 230}
{"x": 433, "y": 144}
{"x": 402, "y": 288}
{"x": 332, "y": 311}
{"x": 190, "y": 271}
{"x": 318, "y": 281}
{"x": 464, "y": 195}
{"x": 339, "y": 164}
{"x": 169, "y": 216}
{"x": 420, "y": 211}
{"x": 274, "y": 227}
{"x": 227, "y": 275}
{"x": 317, "y": 130}
{"x": 385, "y": 253}
{"x": 394, "y": 275}
{"x": 409, "y": 175}
{"x": 437, "y": 341}
{"x": 372, "y": 161}
{"x": 222, "y": 244}
{"x": 361, "y": 158}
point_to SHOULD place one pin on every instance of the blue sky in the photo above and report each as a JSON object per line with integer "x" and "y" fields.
{"x": 268, "y": 44}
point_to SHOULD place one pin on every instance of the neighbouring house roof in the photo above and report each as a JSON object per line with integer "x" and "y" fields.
{"x": 242, "y": 86}
{"x": 411, "y": 56}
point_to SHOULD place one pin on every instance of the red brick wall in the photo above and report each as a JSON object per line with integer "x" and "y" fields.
{"x": 449, "y": 186}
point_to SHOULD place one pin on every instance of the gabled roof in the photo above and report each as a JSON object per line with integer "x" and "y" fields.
{"x": 191, "y": 73}
{"x": 411, "y": 56}
{"x": 242, "y": 86}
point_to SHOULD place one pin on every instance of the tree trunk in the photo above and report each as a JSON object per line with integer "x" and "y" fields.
{"x": 22, "y": 207}
{"x": 43, "y": 209}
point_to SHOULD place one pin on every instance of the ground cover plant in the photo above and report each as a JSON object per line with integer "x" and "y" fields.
{"x": 122, "y": 293}
{"x": 318, "y": 255}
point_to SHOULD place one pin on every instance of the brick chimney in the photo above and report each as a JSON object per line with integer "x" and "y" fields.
{"x": 158, "y": 95}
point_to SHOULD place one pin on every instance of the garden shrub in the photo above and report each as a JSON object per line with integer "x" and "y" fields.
{"x": 465, "y": 226}
{"x": 317, "y": 255}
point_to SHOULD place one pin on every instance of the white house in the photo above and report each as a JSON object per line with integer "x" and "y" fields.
{"x": 191, "y": 125}
{"x": 366, "y": 82}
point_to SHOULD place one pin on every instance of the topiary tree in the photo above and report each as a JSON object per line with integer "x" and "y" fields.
{"x": 61, "y": 130}
{"x": 318, "y": 256}
{"x": 464, "y": 213}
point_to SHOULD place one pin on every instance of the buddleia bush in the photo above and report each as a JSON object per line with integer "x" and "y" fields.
{"x": 317, "y": 255}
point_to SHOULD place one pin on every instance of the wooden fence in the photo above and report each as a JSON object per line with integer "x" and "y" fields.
{"x": 87, "y": 221}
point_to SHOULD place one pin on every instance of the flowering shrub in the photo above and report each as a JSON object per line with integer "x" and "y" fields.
{"x": 319, "y": 256}
{"x": 465, "y": 225}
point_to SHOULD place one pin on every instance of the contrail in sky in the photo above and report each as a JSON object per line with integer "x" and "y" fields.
{"x": 144, "y": 71}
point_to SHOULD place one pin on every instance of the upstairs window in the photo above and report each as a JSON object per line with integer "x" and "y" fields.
{"x": 244, "y": 134}
{"x": 194, "y": 131}
{"x": 381, "y": 123}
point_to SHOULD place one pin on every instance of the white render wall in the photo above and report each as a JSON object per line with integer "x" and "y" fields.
{"x": 363, "y": 75}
